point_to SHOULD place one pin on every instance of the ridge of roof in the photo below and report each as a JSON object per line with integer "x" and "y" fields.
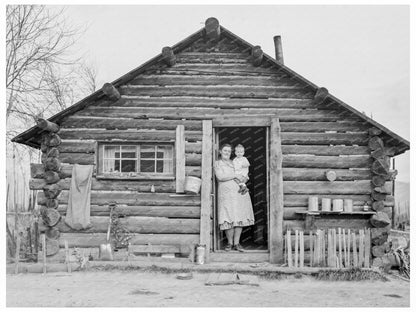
{"x": 25, "y": 136}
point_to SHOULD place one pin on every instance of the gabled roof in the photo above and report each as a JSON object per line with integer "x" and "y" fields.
{"x": 28, "y": 137}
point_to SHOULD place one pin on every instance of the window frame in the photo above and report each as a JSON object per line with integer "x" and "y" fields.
{"x": 99, "y": 152}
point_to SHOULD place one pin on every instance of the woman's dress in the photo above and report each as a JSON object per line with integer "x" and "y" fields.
{"x": 234, "y": 209}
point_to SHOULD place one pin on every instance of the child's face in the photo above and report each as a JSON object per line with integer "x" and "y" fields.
{"x": 239, "y": 152}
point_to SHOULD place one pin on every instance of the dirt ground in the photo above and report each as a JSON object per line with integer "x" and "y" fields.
{"x": 149, "y": 289}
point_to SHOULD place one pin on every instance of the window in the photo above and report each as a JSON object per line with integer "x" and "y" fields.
{"x": 135, "y": 160}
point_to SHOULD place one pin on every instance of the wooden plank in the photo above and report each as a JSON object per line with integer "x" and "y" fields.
{"x": 143, "y": 225}
{"x": 301, "y": 200}
{"x": 361, "y": 249}
{"x": 68, "y": 264}
{"x": 76, "y": 121}
{"x": 77, "y": 158}
{"x": 354, "y": 250}
{"x": 367, "y": 248}
{"x": 337, "y": 126}
{"x": 133, "y": 135}
{"x": 130, "y": 198}
{"x": 310, "y": 138}
{"x": 318, "y": 187}
{"x": 208, "y": 113}
{"x": 238, "y": 257}
{"x": 289, "y": 248}
{"x": 192, "y": 212}
{"x": 330, "y": 162}
{"x": 325, "y": 150}
{"x": 302, "y": 250}
{"x": 43, "y": 240}
{"x": 296, "y": 248}
{"x": 276, "y": 194}
{"x": 218, "y": 91}
{"x": 327, "y": 224}
{"x": 159, "y": 249}
{"x": 319, "y": 174}
{"x": 180, "y": 158}
{"x": 77, "y": 146}
{"x": 78, "y": 239}
{"x": 112, "y": 185}
{"x": 206, "y": 176}
{"x": 311, "y": 241}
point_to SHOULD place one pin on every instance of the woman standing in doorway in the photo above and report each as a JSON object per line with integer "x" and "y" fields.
{"x": 235, "y": 210}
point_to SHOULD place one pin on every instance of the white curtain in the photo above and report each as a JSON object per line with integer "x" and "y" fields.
{"x": 109, "y": 157}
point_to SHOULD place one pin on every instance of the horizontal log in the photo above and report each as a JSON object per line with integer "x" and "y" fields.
{"x": 359, "y": 138}
{"x": 127, "y": 198}
{"x": 37, "y": 171}
{"x": 89, "y": 146}
{"x": 336, "y": 187}
{"x": 312, "y": 174}
{"x": 208, "y": 113}
{"x": 158, "y": 249}
{"x": 218, "y": 91}
{"x": 192, "y": 212}
{"x": 143, "y": 225}
{"x": 301, "y": 200}
{"x": 291, "y": 213}
{"x": 327, "y": 224}
{"x": 325, "y": 150}
{"x": 206, "y": 80}
{"x": 95, "y": 239}
{"x": 47, "y": 125}
{"x": 306, "y": 161}
{"x": 128, "y": 123}
{"x": 78, "y": 158}
{"x": 151, "y": 135}
{"x": 112, "y": 185}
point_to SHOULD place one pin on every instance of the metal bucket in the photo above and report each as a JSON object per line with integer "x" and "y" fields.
{"x": 192, "y": 185}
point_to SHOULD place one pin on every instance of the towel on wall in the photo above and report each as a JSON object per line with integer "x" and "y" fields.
{"x": 78, "y": 211}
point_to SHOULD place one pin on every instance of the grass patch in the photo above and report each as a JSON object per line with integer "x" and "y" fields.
{"x": 354, "y": 274}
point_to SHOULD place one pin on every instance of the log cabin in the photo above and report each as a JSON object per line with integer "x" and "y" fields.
{"x": 150, "y": 130}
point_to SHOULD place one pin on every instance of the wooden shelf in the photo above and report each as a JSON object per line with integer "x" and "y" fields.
{"x": 317, "y": 213}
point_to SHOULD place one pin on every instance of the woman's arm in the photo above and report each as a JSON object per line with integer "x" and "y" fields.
{"x": 221, "y": 174}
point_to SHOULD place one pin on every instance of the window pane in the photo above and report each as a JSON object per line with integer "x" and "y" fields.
{"x": 147, "y": 166}
{"x": 111, "y": 151}
{"x": 159, "y": 166}
{"x": 128, "y": 165}
{"x": 147, "y": 151}
{"x": 165, "y": 151}
{"x": 164, "y": 166}
{"x": 111, "y": 165}
{"x": 128, "y": 152}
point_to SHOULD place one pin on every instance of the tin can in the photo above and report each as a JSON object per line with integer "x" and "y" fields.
{"x": 200, "y": 254}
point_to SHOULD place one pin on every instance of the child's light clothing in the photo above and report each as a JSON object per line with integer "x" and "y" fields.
{"x": 241, "y": 165}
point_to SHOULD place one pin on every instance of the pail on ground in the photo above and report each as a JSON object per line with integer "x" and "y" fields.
{"x": 192, "y": 185}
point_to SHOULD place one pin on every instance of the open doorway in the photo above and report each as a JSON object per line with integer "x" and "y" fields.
{"x": 254, "y": 140}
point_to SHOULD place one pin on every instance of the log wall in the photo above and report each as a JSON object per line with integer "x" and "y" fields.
{"x": 214, "y": 81}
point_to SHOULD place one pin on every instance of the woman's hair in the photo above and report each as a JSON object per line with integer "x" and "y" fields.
{"x": 226, "y": 145}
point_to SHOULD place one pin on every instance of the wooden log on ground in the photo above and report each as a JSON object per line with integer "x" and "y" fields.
{"x": 110, "y": 91}
{"x": 47, "y": 125}
{"x": 374, "y": 131}
{"x": 375, "y": 143}
{"x": 168, "y": 56}
{"x": 380, "y": 219}
{"x": 142, "y": 225}
{"x": 320, "y": 95}
{"x": 212, "y": 28}
{"x": 256, "y": 55}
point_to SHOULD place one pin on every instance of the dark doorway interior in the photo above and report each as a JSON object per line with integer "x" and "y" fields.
{"x": 254, "y": 141}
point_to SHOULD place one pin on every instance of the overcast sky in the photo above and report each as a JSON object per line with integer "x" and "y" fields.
{"x": 359, "y": 53}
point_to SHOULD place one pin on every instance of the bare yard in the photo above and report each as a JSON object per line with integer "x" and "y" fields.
{"x": 149, "y": 289}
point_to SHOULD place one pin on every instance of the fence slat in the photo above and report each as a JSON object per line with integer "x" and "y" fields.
{"x": 296, "y": 248}
{"x": 311, "y": 263}
{"x": 361, "y": 249}
{"x": 367, "y": 248}
{"x": 289, "y": 249}
{"x": 302, "y": 249}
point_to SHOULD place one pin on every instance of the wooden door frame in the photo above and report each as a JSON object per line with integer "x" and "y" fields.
{"x": 275, "y": 179}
